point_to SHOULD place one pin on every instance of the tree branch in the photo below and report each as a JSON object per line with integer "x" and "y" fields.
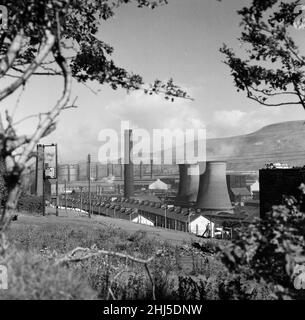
{"x": 48, "y": 44}
{"x": 42, "y": 130}
{"x": 251, "y": 96}
{"x": 90, "y": 253}
{"x": 12, "y": 53}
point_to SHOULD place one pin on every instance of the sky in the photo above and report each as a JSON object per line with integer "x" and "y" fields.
{"x": 180, "y": 40}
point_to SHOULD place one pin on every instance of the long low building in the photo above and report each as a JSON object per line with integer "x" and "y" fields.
{"x": 155, "y": 214}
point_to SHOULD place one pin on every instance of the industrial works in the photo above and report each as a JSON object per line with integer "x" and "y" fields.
{"x": 205, "y": 199}
{"x": 153, "y": 151}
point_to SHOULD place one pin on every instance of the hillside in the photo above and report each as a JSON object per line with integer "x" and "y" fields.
{"x": 280, "y": 142}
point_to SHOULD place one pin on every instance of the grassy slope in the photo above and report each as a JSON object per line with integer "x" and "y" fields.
{"x": 37, "y": 241}
{"x": 180, "y": 272}
{"x": 281, "y": 142}
{"x": 72, "y": 218}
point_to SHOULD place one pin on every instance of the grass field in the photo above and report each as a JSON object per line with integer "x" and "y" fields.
{"x": 178, "y": 271}
{"x": 73, "y": 218}
{"x": 36, "y": 243}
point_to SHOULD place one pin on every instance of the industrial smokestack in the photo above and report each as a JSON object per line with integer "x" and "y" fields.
{"x": 108, "y": 168}
{"x": 128, "y": 165}
{"x": 188, "y": 183}
{"x": 151, "y": 169}
{"x": 121, "y": 168}
{"x": 141, "y": 172}
{"x": 213, "y": 191}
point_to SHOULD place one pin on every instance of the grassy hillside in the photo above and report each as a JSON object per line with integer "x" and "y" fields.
{"x": 179, "y": 271}
{"x": 281, "y": 142}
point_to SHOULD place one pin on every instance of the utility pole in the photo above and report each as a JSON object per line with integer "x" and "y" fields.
{"x": 81, "y": 199}
{"x": 165, "y": 215}
{"x": 66, "y": 195}
{"x": 56, "y": 159}
{"x": 43, "y": 184}
{"x": 89, "y": 183}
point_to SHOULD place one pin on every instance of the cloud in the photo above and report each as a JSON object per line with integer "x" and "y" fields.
{"x": 229, "y": 118}
{"x": 78, "y": 135}
{"x": 154, "y": 112}
{"x": 224, "y": 123}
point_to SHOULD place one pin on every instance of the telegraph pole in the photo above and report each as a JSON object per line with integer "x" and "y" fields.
{"x": 66, "y": 195}
{"x": 56, "y": 159}
{"x": 81, "y": 199}
{"x": 43, "y": 183}
{"x": 89, "y": 183}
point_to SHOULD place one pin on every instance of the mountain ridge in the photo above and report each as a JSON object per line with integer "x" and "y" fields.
{"x": 279, "y": 142}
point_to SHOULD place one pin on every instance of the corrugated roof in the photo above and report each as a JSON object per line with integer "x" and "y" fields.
{"x": 122, "y": 205}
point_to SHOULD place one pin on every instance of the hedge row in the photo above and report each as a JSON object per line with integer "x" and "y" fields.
{"x": 30, "y": 203}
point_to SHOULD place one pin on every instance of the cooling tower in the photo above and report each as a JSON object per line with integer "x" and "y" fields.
{"x": 213, "y": 192}
{"x": 188, "y": 183}
{"x": 128, "y": 165}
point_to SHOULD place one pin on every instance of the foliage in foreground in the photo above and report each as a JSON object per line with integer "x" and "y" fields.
{"x": 270, "y": 66}
{"x": 30, "y": 204}
{"x": 270, "y": 250}
{"x": 32, "y": 277}
{"x": 180, "y": 272}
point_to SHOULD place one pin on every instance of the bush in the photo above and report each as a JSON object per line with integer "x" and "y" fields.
{"x": 31, "y": 204}
{"x": 269, "y": 250}
{"x": 33, "y": 277}
{"x": 217, "y": 283}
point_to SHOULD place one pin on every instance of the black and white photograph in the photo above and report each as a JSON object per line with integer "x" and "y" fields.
{"x": 152, "y": 152}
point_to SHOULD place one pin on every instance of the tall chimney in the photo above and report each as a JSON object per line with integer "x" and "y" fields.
{"x": 128, "y": 165}
{"x": 151, "y": 168}
{"x": 213, "y": 191}
{"x": 141, "y": 172}
{"x": 188, "y": 183}
{"x": 121, "y": 168}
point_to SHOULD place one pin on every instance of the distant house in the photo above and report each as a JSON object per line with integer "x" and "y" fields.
{"x": 240, "y": 195}
{"x": 255, "y": 190}
{"x": 238, "y": 188}
{"x": 139, "y": 218}
{"x": 158, "y": 185}
{"x": 200, "y": 225}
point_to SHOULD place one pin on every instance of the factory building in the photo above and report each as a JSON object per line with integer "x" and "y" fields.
{"x": 205, "y": 198}
{"x": 239, "y": 188}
